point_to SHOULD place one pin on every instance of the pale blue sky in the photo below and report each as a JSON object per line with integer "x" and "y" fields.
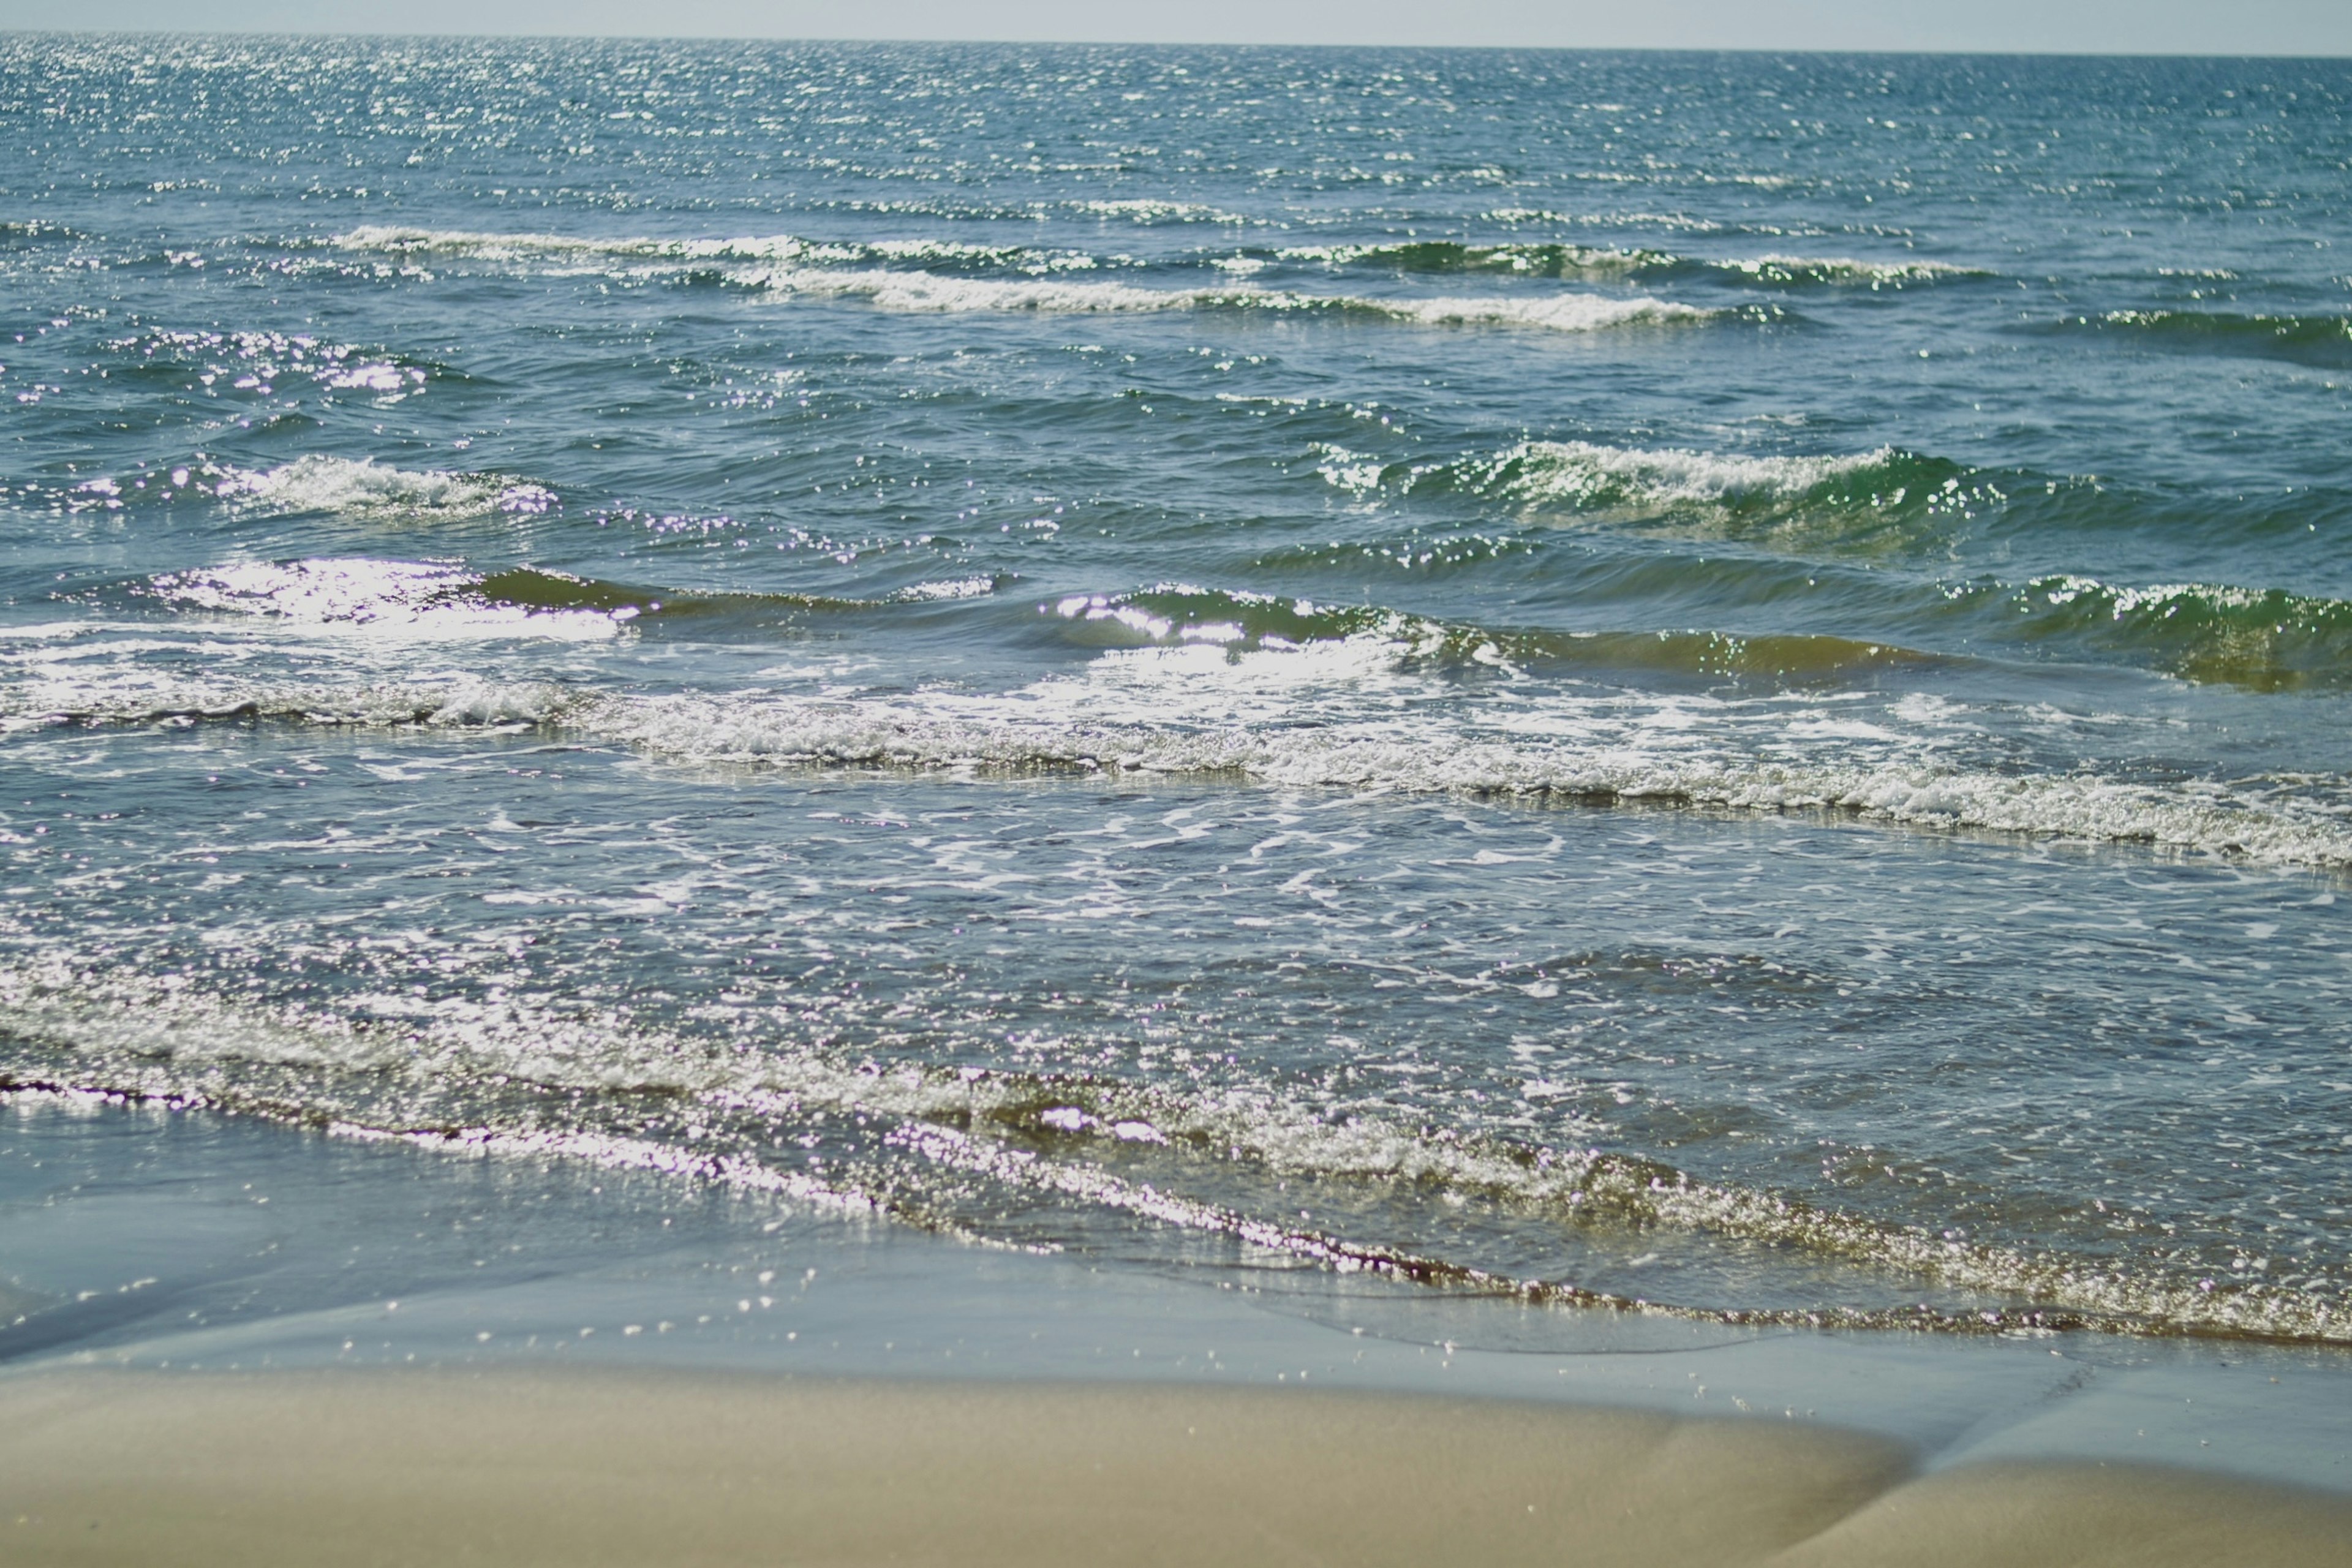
{"x": 2191, "y": 26}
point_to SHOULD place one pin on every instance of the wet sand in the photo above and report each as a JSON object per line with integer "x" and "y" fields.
{"x": 595, "y": 1466}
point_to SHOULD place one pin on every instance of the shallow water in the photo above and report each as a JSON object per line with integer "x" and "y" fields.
{"x": 1718, "y": 683}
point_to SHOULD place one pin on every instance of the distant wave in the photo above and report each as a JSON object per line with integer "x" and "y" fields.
{"x": 792, "y": 267}
{"x": 363, "y": 488}
{"x": 2317, "y": 339}
{"x": 1723, "y": 490}
{"x": 1555, "y": 260}
{"x": 1841, "y": 270}
{"x": 925, "y": 291}
{"x": 1889, "y": 499}
{"x": 1595, "y": 477}
{"x": 1156, "y": 209}
{"x": 494, "y": 245}
{"x": 1602, "y": 263}
{"x": 1593, "y": 263}
{"x": 442, "y": 600}
{"x": 439, "y": 600}
{"x": 349, "y": 486}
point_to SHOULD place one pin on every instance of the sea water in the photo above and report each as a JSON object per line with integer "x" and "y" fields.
{"x": 1714, "y": 686}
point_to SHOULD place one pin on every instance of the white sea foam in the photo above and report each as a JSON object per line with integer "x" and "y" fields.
{"x": 930, "y": 292}
{"x": 1907, "y": 792}
{"x": 1589, "y": 261}
{"x": 123, "y": 1030}
{"x": 1201, "y": 709}
{"x": 363, "y": 487}
{"x": 1343, "y": 468}
{"x": 795, "y": 266}
{"x": 924, "y": 291}
{"x": 1581, "y": 473}
{"x": 773, "y": 248}
{"x": 1844, "y": 269}
{"x": 951, "y": 588}
{"x": 1149, "y": 209}
{"x": 403, "y": 598}
{"x": 1557, "y": 312}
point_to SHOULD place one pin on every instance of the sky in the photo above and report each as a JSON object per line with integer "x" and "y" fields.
{"x": 2096, "y": 26}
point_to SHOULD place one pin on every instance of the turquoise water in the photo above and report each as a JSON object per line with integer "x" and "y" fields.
{"x": 1711, "y": 681}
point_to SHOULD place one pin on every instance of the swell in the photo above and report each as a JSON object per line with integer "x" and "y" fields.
{"x": 1008, "y": 1154}
{"x": 2324, "y": 340}
{"x": 2258, "y": 639}
{"x": 2266, "y": 639}
{"x": 1888, "y": 504}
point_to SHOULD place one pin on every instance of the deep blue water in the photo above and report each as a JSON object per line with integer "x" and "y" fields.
{"x": 1716, "y": 681}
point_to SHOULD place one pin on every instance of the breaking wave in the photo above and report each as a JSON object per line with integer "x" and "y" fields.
{"x": 1608, "y": 264}
{"x": 486, "y": 245}
{"x": 2259, "y": 820}
{"x": 981, "y": 1151}
{"x": 1183, "y": 616}
{"x": 941, "y": 280}
{"x": 2265, "y": 640}
{"x": 427, "y": 599}
{"x": 363, "y": 487}
{"x": 1881, "y": 499}
{"x": 925, "y": 291}
{"x": 1596, "y": 478}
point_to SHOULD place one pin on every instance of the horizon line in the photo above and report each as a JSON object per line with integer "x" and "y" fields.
{"x": 525, "y": 36}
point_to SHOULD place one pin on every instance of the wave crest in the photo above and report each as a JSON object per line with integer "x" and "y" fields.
{"x": 363, "y": 487}
{"x": 932, "y": 292}
{"x": 2258, "y": 820}
{"x": 2265, "y": 640}
{"x": 1608, "y": 264}
{"x": 942, "y": 281}
{"x": 973, "y": 1150}
{"x": 2317, "y": 340}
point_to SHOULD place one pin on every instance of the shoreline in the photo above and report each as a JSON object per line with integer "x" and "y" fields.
{"x": 238, "y": 1282}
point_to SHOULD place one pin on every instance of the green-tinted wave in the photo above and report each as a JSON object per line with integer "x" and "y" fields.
{"x": 2264, "y": 638}
{"x": 1182, "y": 615}
{"x": 439, "y": 598}
{"x": 2317, "y": 340}
{"x": 1886, "y": 502}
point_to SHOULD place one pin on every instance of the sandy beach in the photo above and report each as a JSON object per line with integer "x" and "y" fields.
{"x": 580, "y": 1467}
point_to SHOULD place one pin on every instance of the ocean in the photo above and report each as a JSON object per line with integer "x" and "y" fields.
{"x": 1710, "y": 687}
